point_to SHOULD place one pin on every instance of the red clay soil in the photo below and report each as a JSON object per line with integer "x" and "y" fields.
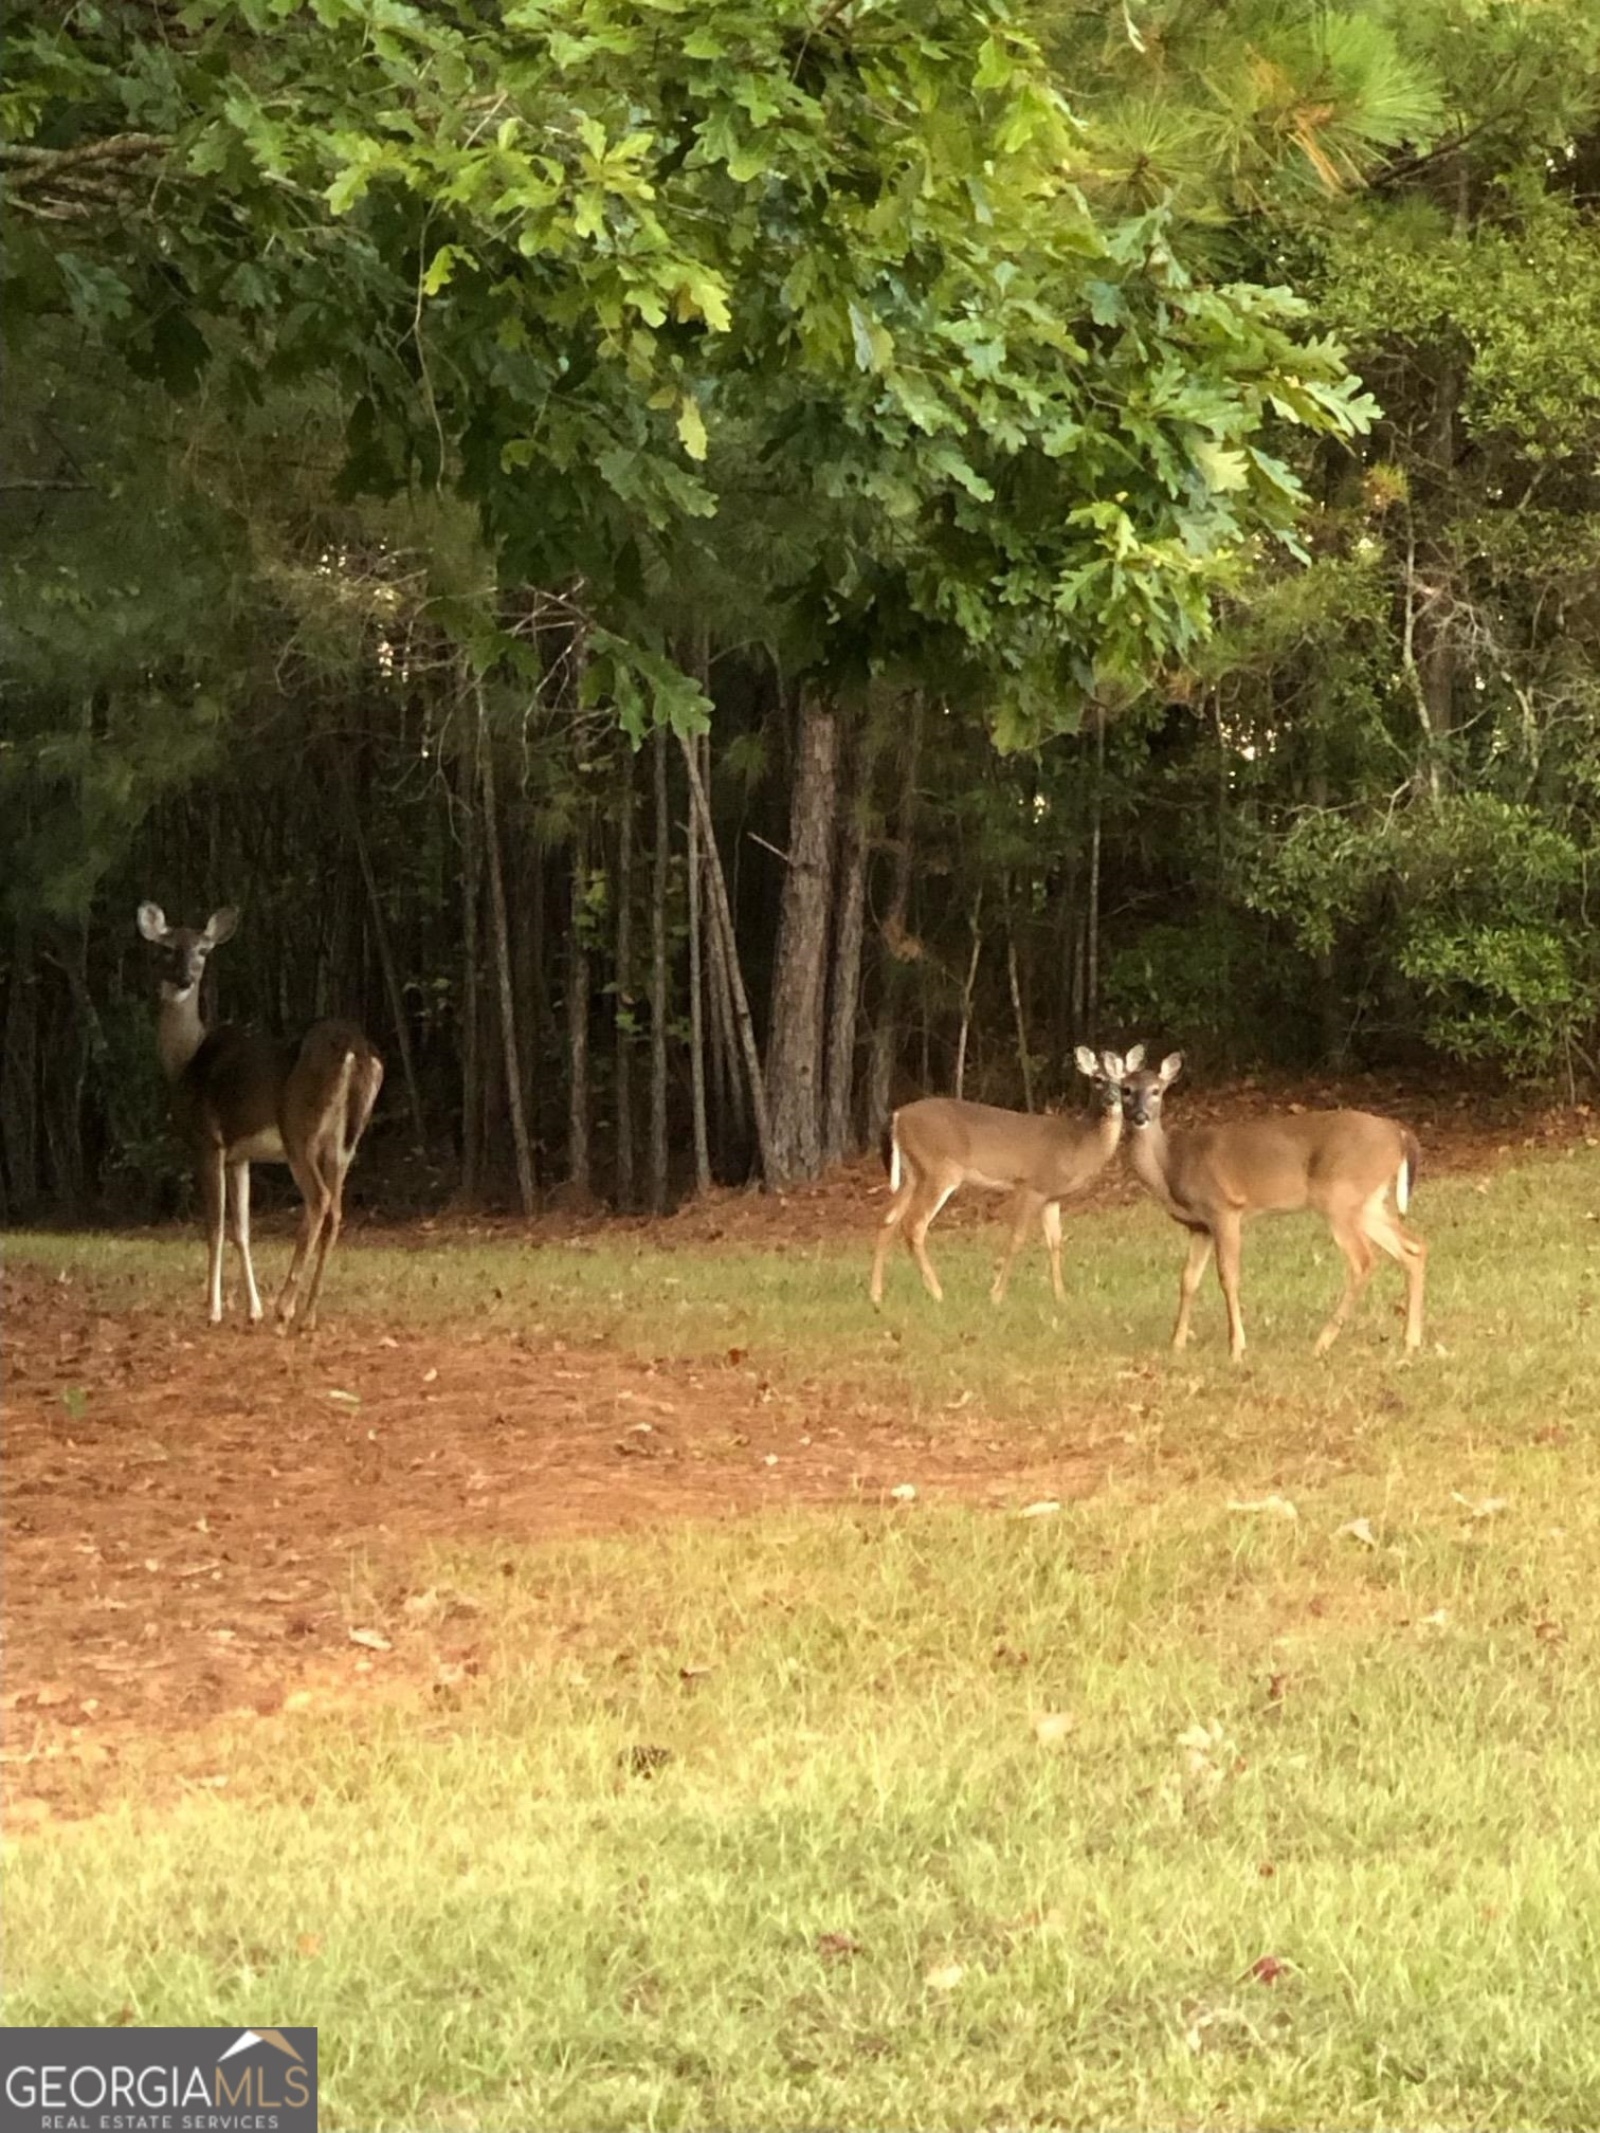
{"x": 196, "y": 1523}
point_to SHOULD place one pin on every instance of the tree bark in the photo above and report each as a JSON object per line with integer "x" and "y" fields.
{"x": 795, "y": 1041}
{"x": 580, "y": 1180}
{"x": 502, "y": 961}
{"x": 717, "y": 883}
{"x": 1024, "y": 1060}
{"x": 660, "y": 881}
{"x": 886, "y": 1030}
{"x": 471, "y": 1072}
{"x": 388, "y": 970}
{"x": 844, "y": 987}
{"x": 967, "y": 991}
{"x": 624, "y": 986}
{"x": 697, "y": 1020}
{"x": 1091, "y": 943}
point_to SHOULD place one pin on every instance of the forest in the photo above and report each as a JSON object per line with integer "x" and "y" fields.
{"x": 708, "y": 566}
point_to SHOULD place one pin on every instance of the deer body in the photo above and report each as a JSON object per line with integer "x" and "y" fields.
{"x": 1353, "y": 1168}
{"x": 942, "y": 1143}
{"x": 241, "y": 1098}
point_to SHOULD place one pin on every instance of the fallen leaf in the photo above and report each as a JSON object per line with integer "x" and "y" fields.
{"x": 1267, "y": 1969}
{"x": 1045, "y": 1508}
{"x": 1359, "y": 1529}
{"x": 350, "y": 1399}
{"x": 373, "y": 1639}
{"x": 422, "y": 1603}
{"x": 1051, "y": 1726}
{"x": 1274, "y": 1506}
{"x": 837, "y": 1945}
{"x": 1483, "y": 1506}
{"x": 309, "y": 1945}
{"x": 430, "y": 1377}
{"x": 904, "y": 1492}
{"x": 945, "y": 1977}
{"x": 52, "y": 1693}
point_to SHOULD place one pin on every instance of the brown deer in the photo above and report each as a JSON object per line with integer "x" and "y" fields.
{"x": 942, "y": 1143}
{"x": 240, "y": 1098}
{"x": 1344, "y": 1164}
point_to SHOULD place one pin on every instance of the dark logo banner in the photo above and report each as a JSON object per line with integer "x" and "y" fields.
{"x": 158, "y": 2081}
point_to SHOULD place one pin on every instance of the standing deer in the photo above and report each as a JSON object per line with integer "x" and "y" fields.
{"x": 942, "y": 1143}
{"x": 240, "y": 1098}
{"x": 1344, "y": 1164}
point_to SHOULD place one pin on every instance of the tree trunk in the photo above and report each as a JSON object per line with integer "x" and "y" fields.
{"x": 502, "y": 963}
{"x": 580, "y": 1182}
{"x": 624, "y": 986}
{"x": 659, "y": 884}
{"x": 795, "y": 1041}
{"x": 886, "y": 1031}
{"x": 19, "y": 1078}
{"x": 1024, "y": 1060}
{"x": 390, "y": 972}
{"x": 844, "y": 1001}
{"x": 967, "y": 991}
{"x": 697, "y": 1023}
{"x": 740, "y": 1000}
{"x": 471, "y": 1073}
{"x": 1091, "y": 943}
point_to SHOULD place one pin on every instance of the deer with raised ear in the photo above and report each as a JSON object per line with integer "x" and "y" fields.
{"x": 1354, "y": 1169}
{"x": 942, "y": 1142}
{"x": 241, "y": 1098}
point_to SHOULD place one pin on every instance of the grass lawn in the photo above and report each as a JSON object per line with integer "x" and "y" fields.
{"x": 1147, "y": 1810}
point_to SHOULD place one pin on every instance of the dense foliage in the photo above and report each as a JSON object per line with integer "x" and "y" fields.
{"x": 1098, "y": 503}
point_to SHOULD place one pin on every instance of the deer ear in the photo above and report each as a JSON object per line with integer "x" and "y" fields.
{"x": 1171, "y": 1067}
{"x": 1087, "y": 1062}
{"x": 221, "y": 924}
{"x": 1135, "y": 1059}
{"x": 1112, "y": 1065}
{"x": 152, "y": 923}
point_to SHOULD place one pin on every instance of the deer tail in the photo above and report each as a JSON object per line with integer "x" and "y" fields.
{"x": 1410, "y": 1170}
{"x": 891, "y": 1152}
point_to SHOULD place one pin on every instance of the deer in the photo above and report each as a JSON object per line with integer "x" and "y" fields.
{"x": 941, "y": 1143}
{"x": 1348, "y": 1166}
{"x": 241, "y": 1098}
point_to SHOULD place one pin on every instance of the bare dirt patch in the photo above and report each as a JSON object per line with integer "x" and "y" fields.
{"x": 196, "y": 1522}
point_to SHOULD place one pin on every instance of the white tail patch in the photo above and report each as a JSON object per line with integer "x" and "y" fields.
{"x": 1402, "y": 1184}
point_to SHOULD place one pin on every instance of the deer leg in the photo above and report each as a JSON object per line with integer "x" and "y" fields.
{"x": 1050, "y": 1222}
{"x": 239, "y": 1213}
{"x": 1229, "y": 1235}
{"x": 891, "y": 1222}
{"x": 1188, "y": 1281}
{"x": 1347, "y": 1234}
{"x": 333, "y": 1221}
{"x": 917, "y": 1232}
{"x": 1027, "y": 1206}
{"x": 1390, "y": 1235}
{"x": 213, "y": 1190}
{"x": 315, "y": 1195}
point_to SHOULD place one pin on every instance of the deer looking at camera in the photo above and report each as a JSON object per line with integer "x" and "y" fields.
{"x": 942, "y": 1143}
{"x": 240, "y": 1098}
{"x": 1347, "y": 1165}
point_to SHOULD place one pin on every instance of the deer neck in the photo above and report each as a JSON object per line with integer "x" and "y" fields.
{"x": 179, "y": 1029}
{"x": 1152, "y": 1162}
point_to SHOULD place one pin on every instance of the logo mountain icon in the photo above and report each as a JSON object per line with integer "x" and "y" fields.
{"x": 274, "y": 2037}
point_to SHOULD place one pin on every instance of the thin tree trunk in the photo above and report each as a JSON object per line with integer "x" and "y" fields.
{"x": 19, "y": 1076}
{"x": 659, "y": 883}
{"x": 717, "y": 883}
{"x": 502, "y": 963}
{"x": 967, "y": 992}
{"x": 624, "y": 990}
{"x": 1091, "y": 950}
{"x": 388, "y": 970}
{"x": 1023, "y": 1059}
{"x": 844, "y": 1004}
{"x": 886, "y": 1031}
{"x": 580, "y": 1186}
{"x": 471, "y": 1068}
{"x": 697, "y": 1026}
{"x": 732, "y": 1112}
{"x": 795, "y": 1041}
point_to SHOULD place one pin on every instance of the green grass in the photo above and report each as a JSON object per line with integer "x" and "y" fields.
{"x": 1376, "y": 1764}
